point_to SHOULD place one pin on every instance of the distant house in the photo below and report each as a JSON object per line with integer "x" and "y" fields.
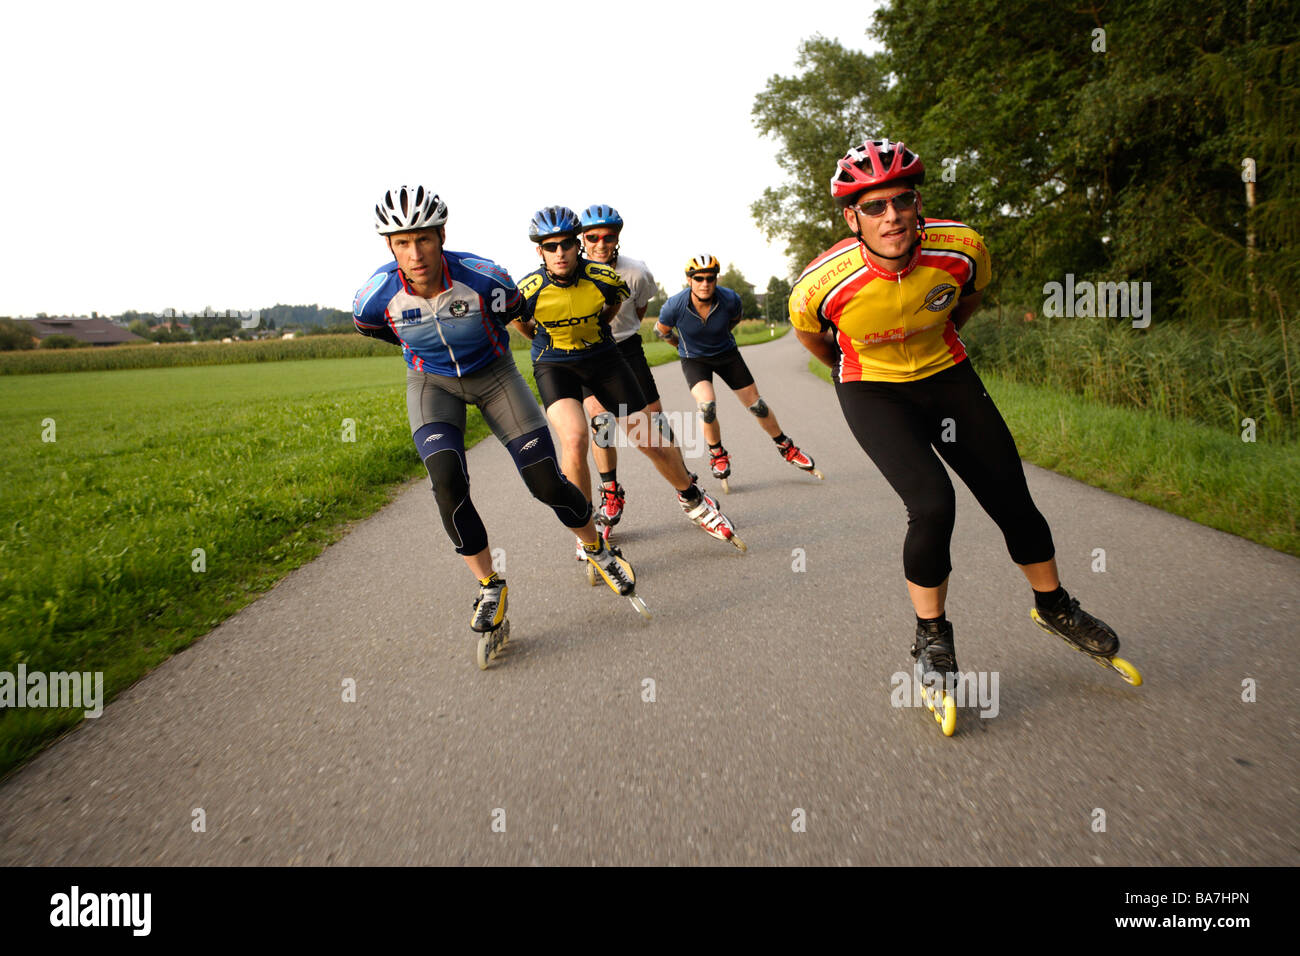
{"x": 89, "y": 331}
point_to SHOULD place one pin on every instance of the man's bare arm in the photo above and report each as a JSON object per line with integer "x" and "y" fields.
{"x": 821, "y": 345}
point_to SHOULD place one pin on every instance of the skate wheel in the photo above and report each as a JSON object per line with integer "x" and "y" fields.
{"x": 504, "y": 632}
{"x": 947, "y": 717}
{"x": 640, "y": 606}
{"x": 1127, "y": 671}
{"x": 726, "y": 488}
{"x": 740, "y": 545}
{"x": 483, "y": 655}
{"x": 591, "y": 574}
{"x": 816, "y": 474}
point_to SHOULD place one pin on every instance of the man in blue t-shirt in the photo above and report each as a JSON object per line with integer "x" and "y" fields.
{"x": 698, "y": 320}
{"x": 449, "y": 312}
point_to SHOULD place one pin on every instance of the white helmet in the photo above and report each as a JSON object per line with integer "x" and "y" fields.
{"x": 409, "y": 207}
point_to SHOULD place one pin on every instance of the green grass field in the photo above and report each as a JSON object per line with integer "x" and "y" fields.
{"x": 1206, "y": 474}
{"x": 249, "y": 463}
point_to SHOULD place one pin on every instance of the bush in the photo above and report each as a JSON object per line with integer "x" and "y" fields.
{"x": 200, "y": 353}
{"x": 59, "y": 341}
{"x": 1216, "y": 374}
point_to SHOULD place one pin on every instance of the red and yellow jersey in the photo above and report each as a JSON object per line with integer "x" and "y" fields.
{"x": 893, "y": 327}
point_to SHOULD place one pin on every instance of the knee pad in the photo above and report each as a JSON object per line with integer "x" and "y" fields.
{"x": 603, "y": 428}
{"x": 709, "y": 412}
{"x": 760, "y": 409}
{"x": 534, "y": 456}
{"x": 441, "y": 447}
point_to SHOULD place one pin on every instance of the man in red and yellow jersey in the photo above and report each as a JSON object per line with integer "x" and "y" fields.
{"x": 883, "y": 308}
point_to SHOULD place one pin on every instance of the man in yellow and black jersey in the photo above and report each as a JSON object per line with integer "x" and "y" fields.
{"x": 883, "y": 308}
{"x": 568, "y": 306}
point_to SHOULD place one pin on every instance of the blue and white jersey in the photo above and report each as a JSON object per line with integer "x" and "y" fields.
{"x": 697, "y": 337}
{"x": 458, "y": 331}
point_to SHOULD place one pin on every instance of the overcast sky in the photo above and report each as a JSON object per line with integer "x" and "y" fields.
{"x": 177, "y": 155}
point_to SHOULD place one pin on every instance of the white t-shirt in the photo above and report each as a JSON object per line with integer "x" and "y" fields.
{"x": 642, "y": 283}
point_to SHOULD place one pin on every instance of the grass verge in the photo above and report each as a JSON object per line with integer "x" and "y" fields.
{"x": 1189, "y": 469}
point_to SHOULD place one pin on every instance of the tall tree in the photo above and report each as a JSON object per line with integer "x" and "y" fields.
{"x": 1106, "y": 141}
{"x": 776, "y": 305}
{"x": 815, "y": 116}
{"x": 734, "y": 280}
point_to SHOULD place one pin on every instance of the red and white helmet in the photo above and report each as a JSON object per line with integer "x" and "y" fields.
{"x": 875, "y": 163}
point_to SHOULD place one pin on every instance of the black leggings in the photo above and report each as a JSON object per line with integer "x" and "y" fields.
{"x": 900, "y": 425}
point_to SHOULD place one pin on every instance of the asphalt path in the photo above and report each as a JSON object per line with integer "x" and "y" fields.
{"x": 752, "y": 721}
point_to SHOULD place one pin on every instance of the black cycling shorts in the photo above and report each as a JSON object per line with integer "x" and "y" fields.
{"x": 906, "y": 427}
{"x": 731, "y": 368}
{"x": 634, "y": 354}
{"x": 606, "y": 373}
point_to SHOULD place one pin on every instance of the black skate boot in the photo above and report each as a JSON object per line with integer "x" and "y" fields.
{"x": 936, "y": 671}
{"x": 490, "y": 605}
{"x": 934, "y": 652}
{"x": 1061, "y": 616}
{"x": 1066, "y": 619}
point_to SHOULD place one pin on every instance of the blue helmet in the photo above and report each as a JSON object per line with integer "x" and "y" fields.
{"x": 599, "y": 215}
{"x": 553, "y": 221}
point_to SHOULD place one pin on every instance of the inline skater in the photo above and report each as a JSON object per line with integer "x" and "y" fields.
{"x": 568, "y": 306}
{"x": 882, "y": 309}
{"x": 449, "y": 311}
{"x": 602, "y": 227}
{"x": 698, "y": 321}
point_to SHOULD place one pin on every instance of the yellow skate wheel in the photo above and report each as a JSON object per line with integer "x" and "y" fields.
{"x": 948, "y": 719}
{"x": 726, "y": 488}
{"x": 1127, "y": 671}
{"x": 640, "y": 606}
{"x": 740, "y": 545}
{"x": 592, "y": 577}
{"x": 816, "y": 474}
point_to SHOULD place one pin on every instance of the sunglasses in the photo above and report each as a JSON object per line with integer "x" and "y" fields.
{"x": 699, "y": 277}
{"x": 876, "y": 207}
{"x": 564, "y": 245}
{"x": 608, "y": 239}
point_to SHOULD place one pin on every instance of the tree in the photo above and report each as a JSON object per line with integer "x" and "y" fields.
{"x": 776, "y": 305}
{"x": 736, "y": 282}
{"x": 1106, "y": 141}
{"x": 657, "y": 302}
{"x": 13, "y": 336}
{"x": 815, "y": 116}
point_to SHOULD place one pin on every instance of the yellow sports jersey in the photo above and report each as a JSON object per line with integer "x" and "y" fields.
{"x": 893, "y": 327}
{"x": 568, "y": 316}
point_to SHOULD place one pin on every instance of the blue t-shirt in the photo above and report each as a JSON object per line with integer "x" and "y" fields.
{"x": 701, "y": 338}
{"x": 458, "y": 331}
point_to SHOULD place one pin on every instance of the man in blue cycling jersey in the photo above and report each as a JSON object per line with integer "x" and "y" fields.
{"x": 449, "y": 312}
{"x": 698, "y": 321}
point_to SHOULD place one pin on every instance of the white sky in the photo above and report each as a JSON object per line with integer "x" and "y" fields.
{"x": 176, "y": 155}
